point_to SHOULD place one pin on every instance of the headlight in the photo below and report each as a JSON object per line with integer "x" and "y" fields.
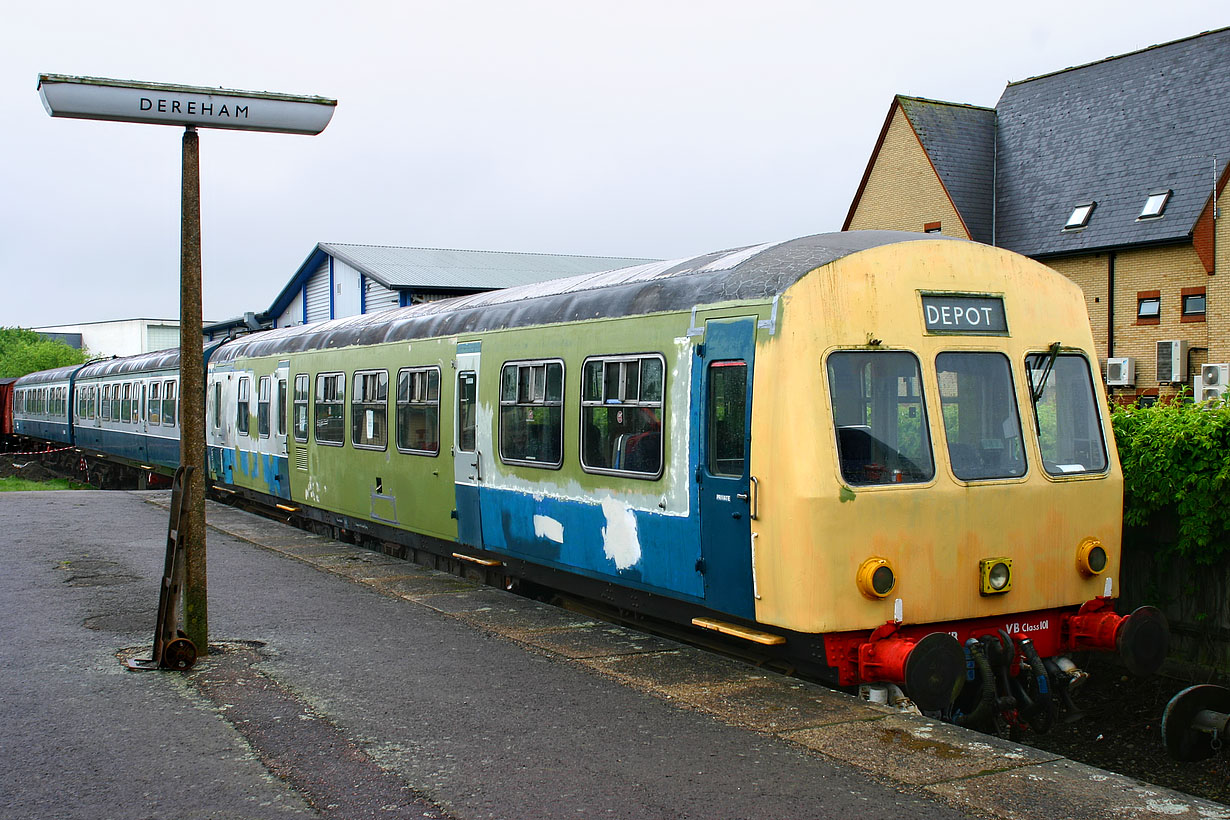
{"x": 1091, "y": 557}
{"x": 996, "y": 575}
{"x": 876, "y": 578}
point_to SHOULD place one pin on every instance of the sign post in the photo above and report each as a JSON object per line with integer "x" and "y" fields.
{"x": 188, "y": 107}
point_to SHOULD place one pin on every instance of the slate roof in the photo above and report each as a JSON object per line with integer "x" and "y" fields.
{"x": 960, "y": 140}
{"x": 397, "y": 267}
{"x": 1112, "y": 132}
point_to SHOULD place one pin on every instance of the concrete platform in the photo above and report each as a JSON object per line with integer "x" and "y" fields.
{"x": 350, "y": 684}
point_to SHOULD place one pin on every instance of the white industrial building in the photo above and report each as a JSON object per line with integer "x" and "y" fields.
{"x": 122, "y": 337}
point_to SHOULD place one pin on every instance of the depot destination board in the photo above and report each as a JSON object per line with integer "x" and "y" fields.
{"x": 964, "y": 314}
{"x": 95, "y": 98}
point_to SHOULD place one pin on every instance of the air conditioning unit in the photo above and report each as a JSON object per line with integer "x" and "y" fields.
{"x": 1214, "y": 382}
{"x": 1120, "y": 371}
{"x": 1171, "y": 361}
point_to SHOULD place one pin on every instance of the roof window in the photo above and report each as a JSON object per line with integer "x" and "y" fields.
{"x": 1080, "y": 216}
{"x": 1155, "y": 205}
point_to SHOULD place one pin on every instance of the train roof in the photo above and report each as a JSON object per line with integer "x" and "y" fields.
{"x": 753, "y": 272}
{"x": 156, "y": 360}
{"x": 56, "y": 374}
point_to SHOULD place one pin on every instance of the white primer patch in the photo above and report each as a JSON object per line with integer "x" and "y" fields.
{"x": 548, "y": 528}
{"x": 619, "y": 539}
{"x": 1167, "y": 807}
{"x": 1109, "y": 588}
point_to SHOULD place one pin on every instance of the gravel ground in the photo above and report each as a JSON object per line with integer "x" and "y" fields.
{"x": 1122, "y": 733}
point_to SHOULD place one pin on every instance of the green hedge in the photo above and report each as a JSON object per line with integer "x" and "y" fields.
{"x": 1176, "y": 465}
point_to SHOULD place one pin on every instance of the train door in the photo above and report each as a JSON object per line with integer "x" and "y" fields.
{"x": 724, "y": 471}
{"x": 467, "y": 447}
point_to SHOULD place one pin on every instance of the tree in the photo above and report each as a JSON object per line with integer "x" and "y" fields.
{"x": 24, "y": 351}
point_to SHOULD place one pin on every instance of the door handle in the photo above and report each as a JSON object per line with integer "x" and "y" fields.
{"x": 755, "y": 488}
{"x": 478, "y": 466}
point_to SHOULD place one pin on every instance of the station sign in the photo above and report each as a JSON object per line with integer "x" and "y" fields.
{"x": 959, "y": 313}
{"x": 95, "y": 98}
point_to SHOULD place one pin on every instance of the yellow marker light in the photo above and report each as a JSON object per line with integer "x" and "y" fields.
{"x": 1091, "y": 557}
{"x": 876, "y": 578}
{"x": 996, "y": 575}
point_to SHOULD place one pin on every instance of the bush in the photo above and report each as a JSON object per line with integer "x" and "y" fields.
{"x": 1176, "y": 462}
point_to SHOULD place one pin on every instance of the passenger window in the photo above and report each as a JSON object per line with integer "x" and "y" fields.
{"x": 243, "y": 406}
{"x": 467, "y": 400}
{"x": 126, "y": 404}
{"x": 217, "y": 404}
{"x": 621, "y": 415}
{"x": 330, "y": 408}
{"x": 155, "y": 403}
{"x": 880, "y": 417}
{"x": 532, "y": 413}
{"x": 728, "y": 418}
{"x": 301, "y": 407}
{"x": 981, "y": 422}
{"x": 1066, "y": 414}
{"x": 106, "y": 402}
{"x": 369, "y": 410}
{"x": 169, "y": 407}
{"x": 418, "y": 410}
{"x": 262, "y": 407}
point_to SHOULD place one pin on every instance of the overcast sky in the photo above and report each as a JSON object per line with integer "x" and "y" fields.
{"x": 646, "y": 129}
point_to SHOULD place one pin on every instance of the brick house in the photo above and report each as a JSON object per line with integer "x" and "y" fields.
{"x": 1106, "y": 173}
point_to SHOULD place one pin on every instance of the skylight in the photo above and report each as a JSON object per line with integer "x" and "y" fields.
{"x": 1155, "y": 205}
{"x": 1080, "y": 216}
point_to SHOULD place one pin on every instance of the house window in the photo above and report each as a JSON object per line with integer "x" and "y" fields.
{"x": 1155, "y": 205}
{"x": 1193, "y": 305}
{"x": 1080, "y": 216}
{"x": 1149, "y": 307}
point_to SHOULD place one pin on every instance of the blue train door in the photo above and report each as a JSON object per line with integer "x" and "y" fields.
{"x": 467, "y": 453}
{"x": 723, "y": 472}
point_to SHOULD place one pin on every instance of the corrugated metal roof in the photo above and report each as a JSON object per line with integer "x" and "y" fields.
{"x": 438, "y": 268}
{"x": 1111, "y": 132}
{"x": 960, "y": 140}
{"x": 755, "y": 272}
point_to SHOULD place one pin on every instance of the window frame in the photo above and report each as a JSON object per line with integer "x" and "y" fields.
{"x": 926, "y": 439}
{"x": 1160, "y": 210}
{"x": 532, "y": 401}
{"x": 264, "y": 395}
{"x": 243, "y": 406}
{"x": 155, "y": 400}
{"x": 316, "y": 403}
{"x": 355, "y": 403}
{"x": 170, "y": 396}
{"x": 1012, "y": 395}
{"x": 1149, "y": 297}
{"x": 1185, "y": 296}
{"x": 427, "y": 402}
{"x": 281, "y": 407}
{"x": 1102, "y": 430}
{"x": 604, "y": 401}
{"x": 1082, "y": 212}
{"x": 305, "y": 402}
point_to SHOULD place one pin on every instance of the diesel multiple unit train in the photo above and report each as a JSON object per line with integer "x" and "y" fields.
{"x": 884, "y": 456}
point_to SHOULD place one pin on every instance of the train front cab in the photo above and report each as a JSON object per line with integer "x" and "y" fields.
{"x": 913, "y": 494}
